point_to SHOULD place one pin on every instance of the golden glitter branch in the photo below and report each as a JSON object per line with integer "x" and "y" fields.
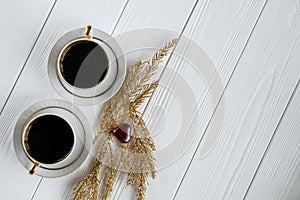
{"x": 111, "y": 175}
{"x": 122, "y": 120}
{"x": 143, "y": 94}
{"x": 88, "y": 188}
{"x": 143, "y": 71}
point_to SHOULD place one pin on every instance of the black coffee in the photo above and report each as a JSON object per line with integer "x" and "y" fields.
{"x": 84, "y": 64}
{"x": 49, "y": 139}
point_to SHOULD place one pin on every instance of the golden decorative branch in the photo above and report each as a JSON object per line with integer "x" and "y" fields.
{"x": 88, "y": 188}
{"x": 111, "y": 175}
{"x": 121, "y": 119}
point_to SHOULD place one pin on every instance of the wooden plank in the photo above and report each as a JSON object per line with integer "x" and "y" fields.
{"x": 34, "y": 86}
{"x": 255, "y": 100}
{"x": 222, "y": 30}
{"x": 137, "y": 15}
{"x": 278, "y": 174}
{"x": 21, "y": 24}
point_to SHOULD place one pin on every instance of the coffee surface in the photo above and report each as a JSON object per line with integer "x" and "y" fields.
{"x": 84, "y": 64}
{"x": 49, "y": 139}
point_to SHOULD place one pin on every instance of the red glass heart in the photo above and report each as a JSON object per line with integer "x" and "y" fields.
{"x": 122, "y": 132}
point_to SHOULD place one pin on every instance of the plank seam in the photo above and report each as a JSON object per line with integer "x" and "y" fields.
{"x": 123, "y": 9}
{"x": 164, "y": 68}
{"x": 222, "y": 95}
{"x": 169, "y": 58}
{"x": 272, "y": 138}
{"x": 36, "y": 189}
{"x": 27, "y": 58}
{"x": 113, "y": 31}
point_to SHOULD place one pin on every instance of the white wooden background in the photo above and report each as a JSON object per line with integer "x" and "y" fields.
{"x": 255, "y": 47}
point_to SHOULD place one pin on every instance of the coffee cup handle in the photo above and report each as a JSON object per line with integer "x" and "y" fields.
{"x": 33, "y": 168}
{"x": 88, "y": 32}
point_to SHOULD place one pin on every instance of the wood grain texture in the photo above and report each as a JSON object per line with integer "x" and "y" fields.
{"x": 220, "y": 29}
{"x": 21, "y": 24}
{"x": 279, "y": 172}
{"x": 134, "y": 17}
{"x": 34, "y": 86}
{"x": 255, "y": 100}
{"x": 260, "y": 78}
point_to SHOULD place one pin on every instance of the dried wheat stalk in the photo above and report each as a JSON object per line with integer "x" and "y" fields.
{"x": 123, "y": 108}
